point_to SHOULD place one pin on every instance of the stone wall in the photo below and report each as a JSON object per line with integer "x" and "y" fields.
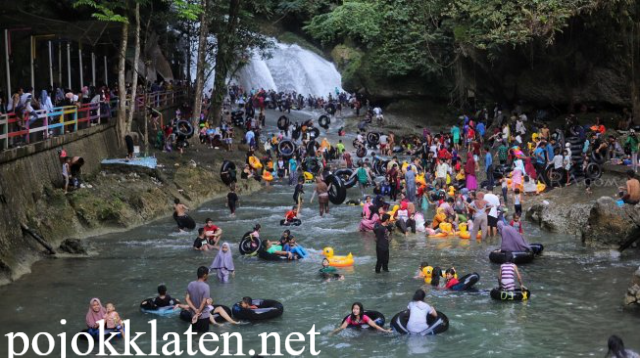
{"x": 27, "y": 179}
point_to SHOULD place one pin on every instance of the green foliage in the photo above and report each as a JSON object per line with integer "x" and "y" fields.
{"x": 354, "y": 19}
{"x": 105, "y": 10}
{"x": 406, "y": 37}
{"x": 186, "y": 10}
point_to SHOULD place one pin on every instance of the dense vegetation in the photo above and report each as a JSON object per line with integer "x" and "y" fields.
{"x": 494, "y": 48}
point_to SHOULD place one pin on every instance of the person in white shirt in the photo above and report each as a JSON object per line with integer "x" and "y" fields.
{"x": 442, "y": 169}
{"x": 492, "y": 217}
{"x": 418, "y": 311}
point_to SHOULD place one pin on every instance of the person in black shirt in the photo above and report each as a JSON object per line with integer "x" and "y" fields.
{"x": 232, "y": 200}
{"x": 382, "y": 243}
{"x": 163, "y": 300}
{"x": 299, "y": 193}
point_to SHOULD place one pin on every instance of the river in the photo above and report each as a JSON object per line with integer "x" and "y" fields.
{"x": 576, "y": 292}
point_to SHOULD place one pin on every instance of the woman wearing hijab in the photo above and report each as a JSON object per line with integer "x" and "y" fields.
{"x": 223, "y": 263}
{"x": 512, "y": 240}
{"x": 95, "y": 313}
{"x": 470, "y": 173}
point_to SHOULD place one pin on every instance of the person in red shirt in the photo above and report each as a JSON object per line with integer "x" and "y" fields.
{"x": 291, "y": 215}
{"x": 450, "y": 276}
{"x": 213, "y": 233}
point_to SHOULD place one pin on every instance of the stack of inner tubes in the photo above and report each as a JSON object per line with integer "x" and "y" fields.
{"x": 337, "y": 190}
{"x": 345, "y": 174}
{"x": 187, "y": 315}
{"x": 436, "y": 325}
{"x": 324, "y": 121}
{"x": 516, "y": 295}
{"x": 286, "y": 148}
{"x": 519, "y": 257}
{"x": 249, "y": 246}
{"x": 576, "y": 155}
{"x": 228, "y": 172}
{"x": 375, "y": 316}
{"x": 283, "y": 123}
{"x": 266, "y": 309}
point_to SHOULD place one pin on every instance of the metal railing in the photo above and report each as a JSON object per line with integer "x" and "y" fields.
{"x": 41, "y": 124}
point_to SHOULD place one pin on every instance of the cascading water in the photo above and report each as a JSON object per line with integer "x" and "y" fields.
{"x": 286, "y": 68}
{"x": 290, "y": 68}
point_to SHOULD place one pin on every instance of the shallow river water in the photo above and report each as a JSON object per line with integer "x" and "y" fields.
{"x": 576, "y": 293}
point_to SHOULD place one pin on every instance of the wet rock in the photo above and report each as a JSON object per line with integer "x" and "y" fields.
{"x": 74, "y": 246}
{"x": 632, "y": 296}
{"x": 609, "y": 225}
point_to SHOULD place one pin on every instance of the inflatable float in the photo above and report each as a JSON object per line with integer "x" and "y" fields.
{"x": 324, "y": 121}
{"x": 249, "y": 246}
{"x": 375, "y": 316}
{"x": 149, "y": 306}
{"x": 188, "y": 131}
{"x": 337, "y": 191}
{"x": 466, "y": 282}
{"x": 337, "y": 261}
{"x": 254, "y": 162}
{"x": 294, "y": 222}
{"x": 346, "y": 176}
{"x": 436, "y": 325}
{"x": 516, "y": 295}
{"x": 187, "y": 315}
{"x": 228, "y": 172}
{"x": 267, "y": 176}
{"x": 266, "y": 309}
{"x": 283, "y": 123}
{"x": 184, "y": 222}
{"x": 519, "y": 257}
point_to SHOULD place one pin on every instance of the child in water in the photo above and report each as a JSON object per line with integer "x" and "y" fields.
{"x": 219, "y": 310}
{"x": 516, "y": 223}
{"x": 420, "y": 273}
{"x": 296, "y": 250}
{"x": 450, "y": 278}
{"x": 291, "y": 215}
{"x": 112, "y": 319}
{"x": 329, "y": 272}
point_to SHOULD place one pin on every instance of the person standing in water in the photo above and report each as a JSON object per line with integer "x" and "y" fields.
{"x": 383, "y": 237}
{"x": 322, "y": 189}
{"x": 197, "y": 294}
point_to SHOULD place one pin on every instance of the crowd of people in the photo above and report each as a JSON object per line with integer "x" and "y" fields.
{"x": 475, "y": 176}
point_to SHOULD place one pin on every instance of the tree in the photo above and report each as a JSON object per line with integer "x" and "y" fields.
{"x": 115, "y": 11}
{"x": 237, "y": 35}
{"x": 200, "y": 78}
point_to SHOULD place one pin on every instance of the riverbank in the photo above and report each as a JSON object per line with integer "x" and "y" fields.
{"x": 114, "y": 201}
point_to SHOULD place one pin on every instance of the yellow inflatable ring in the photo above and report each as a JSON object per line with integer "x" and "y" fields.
{"x": 337, "y": 261}
{"x": 467, "y": 235}
{"x": 255, "y": 162}
{"x": 267, "y": 176}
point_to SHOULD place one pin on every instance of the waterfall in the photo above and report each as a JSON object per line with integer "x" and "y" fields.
{"x": 290, "y": 68}
{"x": 286, "y": 68}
